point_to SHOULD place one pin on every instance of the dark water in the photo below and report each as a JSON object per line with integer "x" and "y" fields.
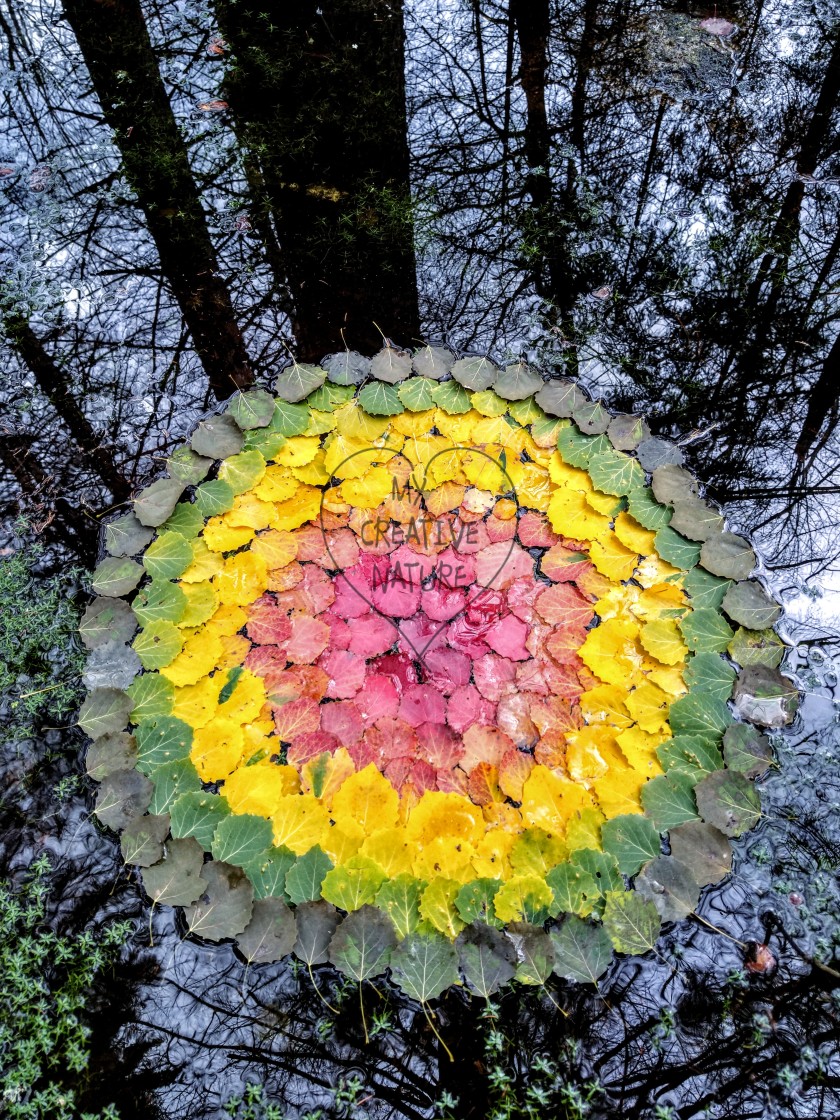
{"x": 606, "y": 189}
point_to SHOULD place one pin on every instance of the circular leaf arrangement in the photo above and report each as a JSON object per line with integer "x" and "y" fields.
{"x": 431, "y": 656}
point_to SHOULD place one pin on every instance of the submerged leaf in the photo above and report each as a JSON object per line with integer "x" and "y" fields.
{"x": 631, "y": 922}
{"x": 225, "y": 906}
{"x": 315, "y": 924}
{"x": 487, "y": 958}
{"x": 670, "y": 886}
{"x": 582, "y": 951}
{"x": 270, "y": 934}
{"x": 729, "y": 801}
{"x": 175, "y": 880}
{"x": 361, "y": 946}
{"x": 703, "y": 849}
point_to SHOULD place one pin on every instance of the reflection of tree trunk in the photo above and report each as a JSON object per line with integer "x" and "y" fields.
{"x": 319, "y": 91}
{"x": 54, "y": 385}
{"x": 823, "y": 399}
{"x": 70, "y": 527}
{"x": 119, "y": 55}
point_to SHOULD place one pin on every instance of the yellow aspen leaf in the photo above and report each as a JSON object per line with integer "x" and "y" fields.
{"x": 354, "y": 423}
{"x": 444, "y": 856}
{"x": 639, "y": 748}
{"x": 369, "y": 491}
{"x": 500, "y": 815}
{"x": 535, "y": 852}
{"x": 304, "y": 506}
{"x": 443, "y": 498}
{"x": 572, "y": 516}
{"x": 388, "y": 848}
{"x": 217, "y": 749}
{"x": 492, "y": 858}
{"x": 413, "y": 423}
{"x": 227, "y": 619}
{"x": 250, "y": 512}
{"x": 444, "y": 814}
{"x": 437, "y": 907}
{"x": 605, "y": 704}
{"x": 314, "y": 473}
{"x": 562, "y": 474}
{"x": 654, "y": 572}
{"x": 633, "y": 535}
{"x": 611, "y": 651}
{"x": 648, "y": 705}
{"x": 202, "y": 603}
{"x": 300, "y": 822}
{"x": 669, "y": 679}
{"x": 584, "y": 830}
{"x": 275, "y": 547}
{"x": 618, "y": 792}
{"x": 549, "y": 801}
{"x": 505, "y": 509}
{"x": 258, "y": 788}
{"x": 663, "y": 640}
{"x": 593, "y": 584}
{"x": 523, "y": 898}
{"x": 278, "y": 485}
{"x": 607, "y": 504}
{"x": 349, "y": 458}
{"x": 324, "y": 775}
{"x": 367, "y": 799}
{"x": 591, "y": 753}
{"x": 460, "y": 429}
{"x": 200, "y": 654}
{"x": 490, "y": 429}
{"x": 221, "y": 536}
{"x": 197, "y": 704}
{"x": 611, "y": 558}
{"x": 531, "y": 483}
{"x": 244, "y": 579}
{"x": 235, "y": 648}
{"x": 297, "y": 451}
{"x": 205, "y": 564}
{"x": 484, "y": 470}
{"x": 342, "y": 844}
{"x": 319, "y": 423}
{"x": 246, "y": 700}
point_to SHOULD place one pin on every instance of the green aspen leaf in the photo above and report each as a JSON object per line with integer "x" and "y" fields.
{"x": 315, "y": 924}
{"x": 746, "y": 750}
{"x": 158, "y": 644}
{"x": 270, "y": 934}
{"x": 696, "y": 519}
{"x": 186, "y": 520}
{"x": 703, "y": 849}
{"x": 141, "y": 843}
{"x": 399, "y": 898}
{"x": 116, "y": 576}
{"x": 671, "y": 483}
{"x": 575, "y": 890}
{"x": 699, "y": 714}
{"x": 268, "y": 872}
{"x": 449, "y": 396}
{"x": 155, "y": 504}
{"x": 705, "y": 589}
{"x": 546, "y": 432}
{"x": 488, "y": 403}
{"x": 669, "y": 799}
{"x": 670, "y": 886}
{"x": 534, "y": 952}
{"x": 762, "y": 695}
{"x": 437, "y": 907}
{"x": 225, "y": 906}
{"x": 749, "y": 605}
{"x": 576, "y": 449}
{"x": 675, "y": 549}
{"x": 487, "y": 958}
{"x": 201, "y": 604}
{"x": 298, "y": 381}
{"x": 304, "y": 879}
{"x": 152, "y": 696}
{"x": 626, "y": 432}
{"x": 267, "y": 442}
{"x": 602, "y": 866}
{"x": 584, "y": 829}
{"x": 289, "y": 419}
{"x": 104, "y": 711}
{"x": 121, "y": 797}
{"x": 756, "y": 647}
{"x": 125, "y": 536}
{"x": 353, "y": 884}
{"x": 114, "y": 751}
{"x": 243, "y": 471}
{"x": 361, "y": 946}
{"x": 560, "y": 397}
{"x": 692, "y": 755}
{"x": 217, "y": 438}
{"x": 159, "y": 601}
{"x": 347, "y": 368}
{"x": 728, "y": 801}
{"x": 252, "y": 409}
{"x": 241, "y": 838}
{"x": 162, "y": 740}
{"x": 390, "y": 365}
{"x": 475, "y": 374}
{"x": 424, "y": 965}
{"x": 518, "y": 381}
{"x": 170, "y": 781}
{"x": 175, "y": 880}
{"x": 728, "y": 556}
{"x": 213, "y": 498}
{"x": 379, "y": 399}
{"x": 187, "y": 467}
{"x": 432, "y": 361}
{"x": 107, "y": 620}
{"x": 319, "y": 423}
{"x": 416, "y": 394}
{"x": 632, "y": 839}
{"x": 593, "y": 419}
{"x": 707, "y": 672}
{"x": 705, "y": 629}
{"x": 582, "y": 952}
{"x": 330, "y": 397}
{"x": 524, "y": 898}
{"x": 168, "y": 557}
{"x": 631, "y": 922}
{"x": 198, "y": 815}
{"x": 474, "y": 902}
{"x": 646, "y": 510}
{"x": 616, "y": 473}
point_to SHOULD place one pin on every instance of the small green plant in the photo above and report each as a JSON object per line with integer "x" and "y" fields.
{"x": 45, "y": 985}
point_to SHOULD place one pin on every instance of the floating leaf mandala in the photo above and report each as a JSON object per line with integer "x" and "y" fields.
{"x": 431, "y": 655}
